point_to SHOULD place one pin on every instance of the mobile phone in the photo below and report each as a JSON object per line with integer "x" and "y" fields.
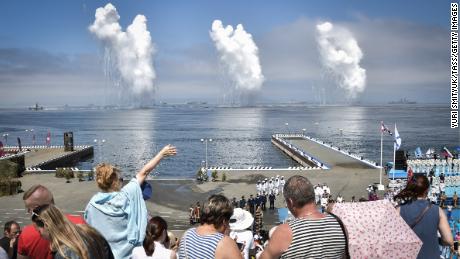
{"x": 456, "y": 245}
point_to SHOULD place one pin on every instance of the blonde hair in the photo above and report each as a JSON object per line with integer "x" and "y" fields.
{"x": 83, "y": 240}
{"x": 107, "y": 177}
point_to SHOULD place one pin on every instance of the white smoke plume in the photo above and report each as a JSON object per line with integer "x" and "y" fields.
{"x": 131, "y": 50}
{"x": 239, "y": 55}
{"x": 341, "y": 54}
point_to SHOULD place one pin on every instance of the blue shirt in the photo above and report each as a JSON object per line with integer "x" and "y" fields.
{"x": 427, "y": 227}
{"x": 121, "y": 217}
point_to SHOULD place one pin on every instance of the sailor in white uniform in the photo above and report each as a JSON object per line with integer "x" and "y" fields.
{"x": 282, "y": 183}
{"x": 265, "y": 185}
{"x": 259, "y": 187}
{"x": 277, "y": 185}
{"x": 271, "y": 187}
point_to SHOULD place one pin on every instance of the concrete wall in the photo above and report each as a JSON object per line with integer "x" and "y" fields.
{"x": 299, "y": 159}
{"x": 68, "y": 159}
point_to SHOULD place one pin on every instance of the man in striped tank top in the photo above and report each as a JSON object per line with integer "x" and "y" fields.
{"x": 312, "y": 234}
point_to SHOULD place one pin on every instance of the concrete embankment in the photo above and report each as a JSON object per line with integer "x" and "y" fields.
{"x": 48, "y": 158}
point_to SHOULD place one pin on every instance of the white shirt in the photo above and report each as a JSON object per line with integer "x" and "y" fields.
{"x": 282, "y": 182}
{"x": 244, "y": 237}
{"x": 318, "y": 191}
{"x": 160, "y": 252}
{"x": 323, "y": 202}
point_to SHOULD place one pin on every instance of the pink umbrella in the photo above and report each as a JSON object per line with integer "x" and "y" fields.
{"x": 375, "y": 230}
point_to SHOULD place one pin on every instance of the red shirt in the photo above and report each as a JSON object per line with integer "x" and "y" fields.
{"x": 31, "y": 244}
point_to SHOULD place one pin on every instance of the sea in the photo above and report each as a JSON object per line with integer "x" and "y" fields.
{"x": 128, "y": 138}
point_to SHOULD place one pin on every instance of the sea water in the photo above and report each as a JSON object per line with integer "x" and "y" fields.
{"x": 240, "y": 136}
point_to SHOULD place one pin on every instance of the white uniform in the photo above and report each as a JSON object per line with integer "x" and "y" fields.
{"x": 282, "y": 183}
{"x": 265, "y": 187}
{"x": 271, "y": 187}
{"x": 318, "y": 194}
{"x": 277, "y": 186}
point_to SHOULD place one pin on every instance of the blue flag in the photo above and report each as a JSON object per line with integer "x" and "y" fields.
{"x": 418, "y": 152}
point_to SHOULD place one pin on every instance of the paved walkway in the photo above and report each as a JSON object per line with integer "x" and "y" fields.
{"x": 327, "y": 155}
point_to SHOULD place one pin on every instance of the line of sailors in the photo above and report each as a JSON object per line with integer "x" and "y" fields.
{"x": 273, "y": 185}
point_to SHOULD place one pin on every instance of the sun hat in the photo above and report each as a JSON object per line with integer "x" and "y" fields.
{"x": 241, "y": 219}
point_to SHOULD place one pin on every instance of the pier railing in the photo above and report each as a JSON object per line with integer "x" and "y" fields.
{"x": 323, "y": 143}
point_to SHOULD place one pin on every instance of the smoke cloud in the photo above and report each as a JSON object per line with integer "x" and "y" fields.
{"x": 130, "y": 51}
{"x": 341, "y": 54}
{"x": 239, "y": 55}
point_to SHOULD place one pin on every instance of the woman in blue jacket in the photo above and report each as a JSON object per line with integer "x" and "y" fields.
{"x": 120, "y": 214}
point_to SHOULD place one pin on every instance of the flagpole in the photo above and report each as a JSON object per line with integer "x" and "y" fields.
{"x": 381, "y": 155}
{"x": 394, "y": 155}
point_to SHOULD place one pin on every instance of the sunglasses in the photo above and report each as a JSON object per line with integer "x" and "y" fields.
{"x": 36, "y": 216}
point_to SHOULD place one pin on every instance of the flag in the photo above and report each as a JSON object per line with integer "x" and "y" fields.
{"x": 446, "y": 152}
{"x": 384, "y": 129}
{"x": 418, "y": 152}
{"x": 429, "y": 152}
{"x": 397, "y": 139}
{"x": 48, "y": 138}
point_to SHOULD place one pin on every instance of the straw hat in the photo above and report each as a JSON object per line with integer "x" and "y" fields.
{"x": 241, "y": 219}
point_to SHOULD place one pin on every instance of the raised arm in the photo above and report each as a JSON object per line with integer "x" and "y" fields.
{"x": 168, "y": 150}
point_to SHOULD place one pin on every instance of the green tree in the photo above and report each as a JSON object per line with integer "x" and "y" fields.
{"x": 214, "y": 175}
{"x": 224, "y": 177}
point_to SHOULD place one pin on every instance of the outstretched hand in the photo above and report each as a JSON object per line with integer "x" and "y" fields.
{"x": 168, "y": 150}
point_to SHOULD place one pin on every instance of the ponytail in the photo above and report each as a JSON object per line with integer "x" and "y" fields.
{"x": 149, "y": 245}
{"x": 416, "y": 187}
{"x": 155, "y": 228}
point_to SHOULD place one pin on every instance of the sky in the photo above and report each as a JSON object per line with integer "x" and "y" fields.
{"x": 48, "y": 55}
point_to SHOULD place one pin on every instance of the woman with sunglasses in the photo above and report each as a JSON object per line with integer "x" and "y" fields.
{"x": 120, "y": 214}
{"x": 68, "y": 240}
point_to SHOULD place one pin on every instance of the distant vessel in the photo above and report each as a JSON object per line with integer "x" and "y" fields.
{"x": 36, "y": 107}
{"x": 402, "y": 101}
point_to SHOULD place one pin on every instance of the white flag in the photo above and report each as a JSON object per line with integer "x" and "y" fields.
{"x": 397, "y": 139}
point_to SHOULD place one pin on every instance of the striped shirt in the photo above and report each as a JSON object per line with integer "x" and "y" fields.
{"x": 318, "y": 238}
{"x": 195, "y": 246}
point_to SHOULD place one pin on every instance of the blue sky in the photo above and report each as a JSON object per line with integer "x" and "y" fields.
{"x": 35, "y": 34}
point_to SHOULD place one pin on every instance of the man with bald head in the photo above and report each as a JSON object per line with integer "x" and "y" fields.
{"x": 31, "y": 245}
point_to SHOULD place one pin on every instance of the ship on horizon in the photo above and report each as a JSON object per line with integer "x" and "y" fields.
{"x": 36, "y": 107}
{"x": 402, "y": 101}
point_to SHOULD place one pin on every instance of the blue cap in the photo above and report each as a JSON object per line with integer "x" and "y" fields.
{"x": 146, "y": 190}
